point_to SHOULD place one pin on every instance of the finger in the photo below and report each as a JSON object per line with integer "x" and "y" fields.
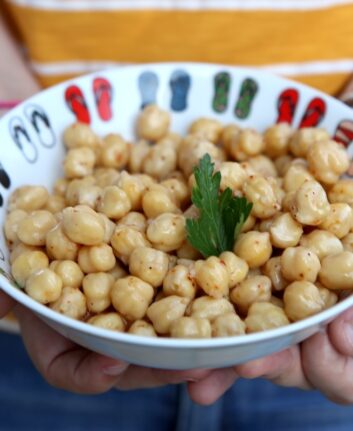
{"x": 340, "y": 332}
{"x": 6, "y": 304}
{"x": 211, "y": 388}
{"x": 283, "y": 368}
{"x": 64, "y": 364}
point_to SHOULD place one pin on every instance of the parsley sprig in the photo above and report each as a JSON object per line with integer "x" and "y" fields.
{"x": 221, "y": 214}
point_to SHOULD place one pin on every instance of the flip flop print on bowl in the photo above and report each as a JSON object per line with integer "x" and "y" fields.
{"x": 180, "y": 82}
{"x": 286, "y": 105}
{"x": 77, "y": 104}
{"x": 222, "y": 83}
{"x": 246, "y": 97}
{"x": 148, "y": 86}
{"x": 4, "y": 181}
{"x": 344, "y": 132}
{"x": 103, "y": 95}
{"x": 41, "y": 124}
{"x": 314, "y": 113}
{"x": 23, "y": 140}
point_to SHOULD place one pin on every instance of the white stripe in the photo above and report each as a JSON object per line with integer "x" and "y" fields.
{"x": 80, "y": 5}
{"x": 286, "y": 69}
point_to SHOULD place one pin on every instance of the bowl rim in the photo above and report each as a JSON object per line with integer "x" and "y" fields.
{"x": 162, "y": 342}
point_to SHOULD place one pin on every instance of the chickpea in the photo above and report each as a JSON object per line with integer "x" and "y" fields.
{"x": 295, "y": 176}
{"x": 134, "y": 220}
{"x": 80, "y": 135}
{"x": 114, "y": 202}
{"x": 21, "y": 248}
{"x": 207, "y": 307}
{"x": 347, "y": 243}
{"x": 263, "y": 316}
{"x": 171, "y": 139}
{"x": 59, "y": 246}
{"x": 153, "y": 123}
{"x": 167, "y": 232}
{"x": 212, "y": 276}
{"x": 300, "y": 263}
{"x": 33, "y": 228}
{"x": 187, "y": 251}
{"x": 190, "y": 327}
{"x": 322, "y": 243}
{"x": 260, "y": 192}
{"x": 133, "y": 187}
{"x": 164, "y": 312}
{"x": 79, "y": 162}
{"x": 273, "y": 270}
{"x": 82, "y": 226}
{"x": 149, "y": 264}
{"x": 327, "y": 161}
{"x": 263, "y": 166}
{"x": 55, "y": 204}
{"x": 233, "y": 176}
{"x": 125, "y": 240}
{"x": 209, "y": 128}
{"x": 339, "y": 220}
{"x": 277, "y": 139}
{"x": 138, "y": 153}
{"x": 157, "y": 200}
{"x": 118, "y": 271}
{"x": 254, "y": 247}
{"x": 179, "y": 281}
{"x": 160, "y": 161}
{"x": 112, "y": 321}
{"x": 142, "y": 328}
{"x": 249, "y": 224}
{"x": 73, "y": 190}
{"x": 330, "y": 298}
{"x": 115, "y": 152}
{"x": 303, "y": 139}
{"x": 189, "y": 263}
{"x": 288, "y": 202}
{"x": 69, "y": 272}
{"x": 28, "y": 198}
{"x": 71, "y": 303}
{"x": 178, "y": 189}
{"x": 60, "y": 186}
{"x": 97, "y": 258}
{"x": 44, "y": 286}
{"x": 27, "y": 264}
{"x": 228, "y": 134}
{"x": 283, "y": 163}
{"x": 227, "y": 325}
{"x": 253, "y": 289}
{"x": 109, "y": 227}
{"x": 247, "y": 143}
{"x": 12, "y": 221}
{"x": 310, "y": 205}
{"x": 277, "y": 301}
{"x": 337, "y": 271}
{"x": 88, "y": 195}
{"x": 302, "y": 299}
{"x": 237, "y": 268}
{"x": 285, "y": 231}
{"x": 105, "y": 177}
{"x": 342, "y": 191}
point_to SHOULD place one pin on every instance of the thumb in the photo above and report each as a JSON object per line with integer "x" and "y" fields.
{"x": 340, "y": 333}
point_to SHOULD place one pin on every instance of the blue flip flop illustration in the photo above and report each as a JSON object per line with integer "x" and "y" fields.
{"x": 148, "y": 83}
{"x": 41, "y": 124}
{"x": 180, "y": 82}
{"x": 23, "y": 140}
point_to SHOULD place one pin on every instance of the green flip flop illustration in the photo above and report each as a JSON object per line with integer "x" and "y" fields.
{"x": 222, "y": 85}
{"x": 246, "y": 97}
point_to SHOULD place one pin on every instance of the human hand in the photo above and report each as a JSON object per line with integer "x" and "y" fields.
{"x": 68, "y": 366}
{"x": 6, "y": 303}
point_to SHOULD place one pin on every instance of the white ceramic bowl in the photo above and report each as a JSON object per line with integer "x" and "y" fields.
{"x": 31, "y": 153}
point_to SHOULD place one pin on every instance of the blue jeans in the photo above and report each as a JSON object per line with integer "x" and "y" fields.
{"x": 28, "y": 403}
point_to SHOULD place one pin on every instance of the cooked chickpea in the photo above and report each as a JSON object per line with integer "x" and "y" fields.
{"x": 60, "y": 186}
{"x": 322, "y": 243}
{"x": 115, "y": 152}
{"x": 71, "y": 303}
{"x": 118, "y": 271}
{"x": 69, "y": 272}
{"x": 109, "y": 227}
{"x": 187, "y": 251}
{"x": 114, "y": 202}
{"x": 330, "y": 298}
{"x": 28, "y": 263}
{"x": 283, "y": 163}
{"x": 138, "y": 153}
{"x": 44, "y": 286}
{"x": 254, "y": 247}
{"x": 164, "y": 312}
{"x": 178, "y": 189}
{"x": 237, "y": 268}
{"x": 212, "y": 276}
{"x": 153, "y": 123}
{"x": 149, "y": 264}
{"x": 300, "y": 263}
{"x": 105, "y": 177}
{"x": 339, "y": 220}
{"x": 226, "y": 325}
{"x": 277, "y": 139}
{"x": 207, "y": 127}
{"x": 79, "y": 162}
{"x": 157, "y": 200}
{"x": 263, "y": 165}
{"x": 302, "y": 299}
{"x": 80, "y": 135}
{"x": 285, "y": 231}
{"x": 253, "y": 289}
{"x": 55, "y": 203}
{"x": 263, "y": 316}
{"x": 273, "y": 270}
{"x": 88, "y": 195}
{"x": 277, "y": 301}
{"x": 82, "y": 226}
{"x": 96, "y": 258}
{"x": 160, "y": 161}
{"x": 171, "y": 139}
{"x": 233, "y": 175}
{"x": 12, "y": 221}
{"x": 347, "y": 243}
{"x": 134, "y": 188}
{"x": 310, "y": 205}
{"x": 260, "y": 192}
{"x": 33, "y": 228}
{"x": 247, "y": 143}
{"x": 167, "y": 232}
{"x": 249, "y": 224}
{"x": 295, "y": 176}
{"x": 112, "y": 321}
{"x": 207, "y": 307}
{"x": 342, "y": 191}
{"x": 304, "y": 138}
{"x": 74, "y": 188}
{"x": 125, "y": 240}
{"x": 337, "y": 271}
{"x": 228, "y": 133}
{"x": 190, "y": 327}
{"x": 179, "y": 281}
{"x": 21, "y": 248}
{"x": 28, "y": 198}
{"x": 134, "y": 220}
{"x": 327, "y": 160}
{"x": 59, "y": 246}
{"x": 143, "y": 328}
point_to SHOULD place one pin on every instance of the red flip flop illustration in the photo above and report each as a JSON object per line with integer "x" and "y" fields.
{"x": 77, "y": 104}
{"x": 344, "y": 132}
{"x": 314, "y": 113}
{"x": 286, "y": 105}
{"x": 102, "y": 90}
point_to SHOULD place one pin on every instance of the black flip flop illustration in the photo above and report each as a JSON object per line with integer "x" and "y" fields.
{"x": 4, "y": 177}
{"x": 23, "y": 140}
{"x": 222, "y": 83}
{"x": 180, "y": 82}
{"x": 148, "y": 83}
{"x": 41, "y": 124}
{"x": 248, "y": 91}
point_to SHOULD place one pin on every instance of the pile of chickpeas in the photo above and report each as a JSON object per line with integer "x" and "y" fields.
{"x": 109, "y": 245}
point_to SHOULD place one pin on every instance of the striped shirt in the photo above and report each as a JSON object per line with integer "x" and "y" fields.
{"x": 308, "y": 40}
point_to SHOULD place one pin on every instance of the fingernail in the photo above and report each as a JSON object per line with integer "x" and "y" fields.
{"x": 115, "y": 370}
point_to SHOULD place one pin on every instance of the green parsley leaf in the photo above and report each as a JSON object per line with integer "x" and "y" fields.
{"x": 221, "y": 215}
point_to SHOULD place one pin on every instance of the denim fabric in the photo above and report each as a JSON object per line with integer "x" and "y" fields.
{"x": 28, "y": 403}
